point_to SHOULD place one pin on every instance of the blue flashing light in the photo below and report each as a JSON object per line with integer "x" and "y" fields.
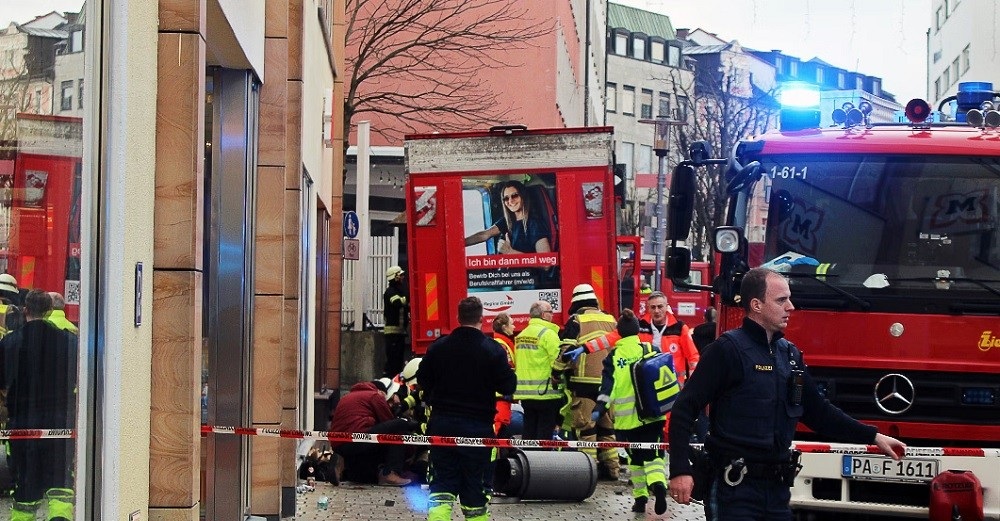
{"x": 975, "y": 86}
{"x": 799, "y": 95}
{"x": 971, "y": 95}
{"x": 978, "y": 396}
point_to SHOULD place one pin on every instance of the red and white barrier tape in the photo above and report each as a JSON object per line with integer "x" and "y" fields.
{"x": 449, "y": 441}
{"x": 36, "y": 434}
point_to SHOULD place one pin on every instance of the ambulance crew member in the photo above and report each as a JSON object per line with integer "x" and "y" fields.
{"x": 647, "y": 470}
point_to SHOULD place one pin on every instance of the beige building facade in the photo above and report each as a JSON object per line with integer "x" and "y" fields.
{"x": 200, "y": 162}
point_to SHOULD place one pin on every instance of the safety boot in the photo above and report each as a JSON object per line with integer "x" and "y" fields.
{"x": 439, "y": 506}
{"x": 640, "y": 504}
{"x": 60, "y": 502}
{"x": 660, "y": 491}
{"x": 24, "y": 511}
{"x": 476, "y": 513}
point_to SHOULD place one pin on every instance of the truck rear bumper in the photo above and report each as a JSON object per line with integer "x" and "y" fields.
{"x": 822, "y": 485}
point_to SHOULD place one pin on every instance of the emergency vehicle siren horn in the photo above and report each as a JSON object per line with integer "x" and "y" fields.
{"x": 917, "y": 110}
{"x": 986, "y": 116}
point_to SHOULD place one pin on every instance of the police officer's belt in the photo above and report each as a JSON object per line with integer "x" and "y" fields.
{"x": 766, "y": 470}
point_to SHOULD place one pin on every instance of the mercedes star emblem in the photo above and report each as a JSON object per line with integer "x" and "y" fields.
{"x": 894, "y": 393}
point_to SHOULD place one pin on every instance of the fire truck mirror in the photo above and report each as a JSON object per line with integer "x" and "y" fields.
{"x": 700, "y": 152}
{"x": 682, "y": 190}
{"x": 678, "y": 262}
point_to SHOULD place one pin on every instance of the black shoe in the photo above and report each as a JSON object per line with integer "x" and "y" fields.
{"x": 660, "y": 491}
{"x": 640, "y": 504}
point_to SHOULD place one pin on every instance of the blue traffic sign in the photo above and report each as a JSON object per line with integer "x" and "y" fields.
{"x": 351, "y": 225}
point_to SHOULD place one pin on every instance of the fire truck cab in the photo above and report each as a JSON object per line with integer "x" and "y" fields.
{"x": 889, "y": 235}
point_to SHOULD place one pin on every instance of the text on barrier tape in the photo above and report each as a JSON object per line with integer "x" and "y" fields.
{"x": 36, "y": 434}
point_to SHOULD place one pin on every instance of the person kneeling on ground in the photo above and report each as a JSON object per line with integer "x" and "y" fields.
{"x": 366, "y": 409}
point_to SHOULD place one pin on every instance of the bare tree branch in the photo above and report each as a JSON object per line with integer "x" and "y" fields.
{"x": 419, "y": 60}
{"x": 720, "y": 111}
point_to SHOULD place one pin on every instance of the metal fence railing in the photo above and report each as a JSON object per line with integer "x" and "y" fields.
{"x": 383, "y": 254}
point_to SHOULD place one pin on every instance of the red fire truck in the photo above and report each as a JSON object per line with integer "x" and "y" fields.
{"x": 40, "y": 190}
{"x": 687, "y": 303}
{"x": 509, "y": 215}
{"x": 890, "y": 237}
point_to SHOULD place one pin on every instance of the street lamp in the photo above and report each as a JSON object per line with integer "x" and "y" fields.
{"x": 661, "y": 145}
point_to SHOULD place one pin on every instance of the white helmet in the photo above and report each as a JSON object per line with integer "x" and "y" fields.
{"x": 390, "y": 385}
{"x": 410, "y": 370}
{"x": 393, "y": 272}
{"x": 583, "y": 292}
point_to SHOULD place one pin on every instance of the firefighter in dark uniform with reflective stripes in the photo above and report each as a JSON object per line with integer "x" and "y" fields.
{"x": 758, "y": 389}
{"x": 396, "y": 308}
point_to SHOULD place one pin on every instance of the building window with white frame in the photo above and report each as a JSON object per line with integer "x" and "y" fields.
{"x": 639, "y": 46}
{"x": 628, "y": 100}
{"x": 628, "y": 153}
{"x": 663, "y": 109}
{"x": 621, "y": 43}
{"x": 646, "y": 104}
{"x": 965, "y": 60}
{"x": 657, "y": 51}
{"x": 67, "y": 95}
{"x": 674, "y": 56}
{"x": 954, "y": 69}
{"x": 644, "y": 164}
{"x": 682, "y": 108}
{"x": 611, "y": 93}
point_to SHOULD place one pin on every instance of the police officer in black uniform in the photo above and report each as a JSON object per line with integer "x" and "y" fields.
{"x": 758, "y": 389}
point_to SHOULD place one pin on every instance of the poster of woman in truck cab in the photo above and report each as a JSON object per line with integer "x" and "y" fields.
{"x": 519, "y": 229}
{"x": 511, "y": 232}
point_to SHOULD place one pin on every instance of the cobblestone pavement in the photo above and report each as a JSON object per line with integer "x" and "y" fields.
{"x": 611, "y": 501}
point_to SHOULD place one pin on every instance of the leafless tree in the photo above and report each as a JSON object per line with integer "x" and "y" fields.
{"x": 14, "y": 98}
{"x": 419, "y": 60}
{"x": 722, "y": 108}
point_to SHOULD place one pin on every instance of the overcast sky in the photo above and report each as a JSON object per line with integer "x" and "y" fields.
{"x": 21, "y": 11}
{"x": 884, "y": 38}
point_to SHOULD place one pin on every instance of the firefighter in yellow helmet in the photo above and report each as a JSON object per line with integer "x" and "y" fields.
{"x": 585, "y": 323}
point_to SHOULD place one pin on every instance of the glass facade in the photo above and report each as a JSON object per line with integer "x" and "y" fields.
{"x": 46, "y": 169}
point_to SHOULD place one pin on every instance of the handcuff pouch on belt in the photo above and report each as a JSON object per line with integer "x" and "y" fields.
{"x": 702, "y": 472}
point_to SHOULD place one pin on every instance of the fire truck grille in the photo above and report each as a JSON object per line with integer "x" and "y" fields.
{"x": 930, "y": 397}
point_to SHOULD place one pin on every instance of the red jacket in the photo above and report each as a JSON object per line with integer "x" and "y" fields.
{"x": 361, "y": 409}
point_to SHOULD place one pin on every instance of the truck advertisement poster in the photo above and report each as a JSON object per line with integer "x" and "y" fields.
{"x": 511, "y": 228}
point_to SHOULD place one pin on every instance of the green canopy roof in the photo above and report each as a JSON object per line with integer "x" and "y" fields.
{"x": 639, "y": 21}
